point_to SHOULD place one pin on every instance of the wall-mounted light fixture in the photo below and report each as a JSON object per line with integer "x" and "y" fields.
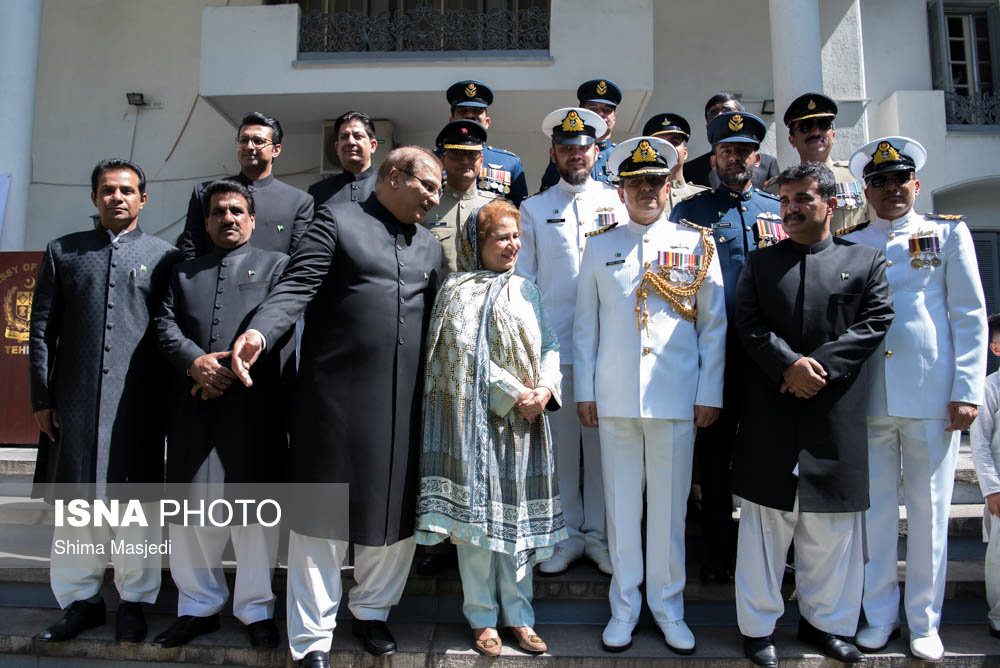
{"x": 767, "y": 107}
{"x": 136, "y": 99}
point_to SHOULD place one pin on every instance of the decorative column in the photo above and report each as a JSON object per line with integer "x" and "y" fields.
{"x": 796, "y": 62}
{"x": 20, "y": 34}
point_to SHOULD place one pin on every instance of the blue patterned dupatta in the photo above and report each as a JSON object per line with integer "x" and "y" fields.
{"x": 485, "y": 479}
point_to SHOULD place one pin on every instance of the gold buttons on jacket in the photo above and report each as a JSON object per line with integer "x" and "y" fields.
{"x": 645, "y": 351}
{"x": 892, "y": 235}
{"x": 888, "y": 263}
{"x": 888, "y": 353}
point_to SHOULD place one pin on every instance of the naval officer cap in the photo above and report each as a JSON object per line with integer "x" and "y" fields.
{"x": 640, "y": 156}
{"x": 810, "y": 105}
{"x": 463, "y": 135}
{"x": 663, "y": 125}
{"x": 574, "y": 125}
{"x": 599, "y": 90}
{"x": 469, "y": 93}
{"x": 888, "y": 154}
{"x": 736, "y": 126}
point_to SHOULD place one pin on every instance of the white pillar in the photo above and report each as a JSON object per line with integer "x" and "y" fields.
{"x": 20, "y": 34}
{"x": 796, "y": 62}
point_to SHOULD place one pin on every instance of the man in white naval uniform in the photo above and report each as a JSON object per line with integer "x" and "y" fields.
{"x": 554, "y": 228}
{"x": 648, "y": 360}
{"x": 926, "y": 386}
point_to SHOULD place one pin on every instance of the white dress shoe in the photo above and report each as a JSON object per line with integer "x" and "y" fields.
{"x": 928, "y": 648}
{"x": 602, "y": 560}
{"x": 558, "y": 563}
{"x": 617, "y": 636}
{"x": 874, "y": 638}
{"x": 679, "y": 638}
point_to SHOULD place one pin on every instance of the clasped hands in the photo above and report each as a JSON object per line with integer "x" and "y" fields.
{"x": 531, "y": 404}
{"x": 804, "y": 378}
{"x": 211, "y": 379}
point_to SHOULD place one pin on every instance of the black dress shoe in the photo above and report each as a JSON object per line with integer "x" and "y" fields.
{"x": 131, "y": 624}
{"x": 186, "y": 629}
{"x": 433, "y": 563}
{"x": 715, "y": 572}
{"x": 315, "y": 659}
{"x": 760, "y": 650}
{"x": 830, "y": 645}
{"x": 376, "y": 636}
{"x": 993, "y": 632}
{"x": 79, "y": 617}
{"x": 263, "y": 633}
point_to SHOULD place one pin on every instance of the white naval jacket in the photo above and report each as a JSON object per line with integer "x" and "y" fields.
{"x": 657, "y": 372}
{"x": 554, "y": 224}
{"x": 935, "y": 350}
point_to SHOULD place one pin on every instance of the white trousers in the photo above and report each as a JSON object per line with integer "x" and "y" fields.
{"x": 928, "y": 455}
{"x": 582, "y": 511}
{"x": 314, "y": 588}
{"x": 993, "y": 572}
{"x": 78, "y": 572}
{"x": 196, "y": 567}
{"x": 632, "y": 451}
{"x": 829, "y": 568}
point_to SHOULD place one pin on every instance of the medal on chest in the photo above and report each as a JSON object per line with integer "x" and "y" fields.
{"x": 769, "y": 230}
{"x": 605, "y": 217}
{"x": 677, "y": 279}
{"x": 850, "y": 194}
{"x": 494, "y": 177}
{"x": 925, "y": 250}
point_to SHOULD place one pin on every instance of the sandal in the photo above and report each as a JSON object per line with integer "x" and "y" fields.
{"x": 487, "y": 645}
{"x": 528, "y": 640}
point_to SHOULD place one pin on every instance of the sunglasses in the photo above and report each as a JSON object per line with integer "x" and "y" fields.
{"x": 807, "y": 125}
{"x": 879, "y": 180}
{"x": 654, "y": 181}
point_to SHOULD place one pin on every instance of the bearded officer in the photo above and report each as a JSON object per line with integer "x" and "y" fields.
{"x": 460, "y": 145}
{"x": 648, "y": 359}
{"x": 554, "y": 229}
{"x": 741, "y": 218}
{"x": 676, "y": 130}
{"x": 602, "y": 97}
{"x": 926, "y": 386}
{"x": 809, "y": 311}
{"x": 810, "y": 122}
{"x": 502, "y": 172}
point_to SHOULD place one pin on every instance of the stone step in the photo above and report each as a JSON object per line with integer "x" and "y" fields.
{"x": 445, "y": 645}
{"x": 17, "y": 461}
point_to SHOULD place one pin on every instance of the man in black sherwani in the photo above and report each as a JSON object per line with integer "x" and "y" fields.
{"x": 354, "y": 144}
{"x": 283, "y": 211}
{"x": 221, "y": 433}
{"x": 96, "y": 380}
{"x": 809, "y": 311}
{"x": 366, "y": 276}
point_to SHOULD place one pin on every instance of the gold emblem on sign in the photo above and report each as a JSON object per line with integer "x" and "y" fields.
{"x": 17, "y": 312}
{"x": 470, "y": 90}
{"x": 885, "y": 153}
{"x": 811, "y": 106}
{"x": 602, "y": 87}
{"x": 736, "y": 123}
{"x": 572, "y": 122}
{"x": 644, "y": 152}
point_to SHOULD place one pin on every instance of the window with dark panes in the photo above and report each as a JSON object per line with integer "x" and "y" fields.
{"x": 965, "y": 44}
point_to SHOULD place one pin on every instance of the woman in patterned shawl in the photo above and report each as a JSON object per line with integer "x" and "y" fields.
{"x": 487, "y": 473}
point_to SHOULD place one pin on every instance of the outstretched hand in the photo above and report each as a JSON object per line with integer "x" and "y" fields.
{"x": 246, "y": 350}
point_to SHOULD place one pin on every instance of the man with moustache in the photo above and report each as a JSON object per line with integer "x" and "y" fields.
{"x": 221, "y": 434}
{"x": 649, "y": 351}
{"x": 676, "y": 130}
{"x": 926, "y": 387}
{"x": 368, "y": 274}
{"x": 283, "y": 212}
{"x": 601, "y": 96}
{"x": 700, "y": 171}
{"x": 96, "y": 392}
{"x": 555, "y": 225}
{"x": 502, "y": 172}
{"x": 742, "y": 218}
{"x": 809, "y": 311}
{"x": 354, "y": 144}
{"x": 460, "y": 144}
{"x": 809, "y": 119}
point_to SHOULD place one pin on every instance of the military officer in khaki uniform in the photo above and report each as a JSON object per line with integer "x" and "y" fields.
{"x": 675, "y": 129}
{"x": 809, "y": 119}
{"x": 460, "y": 144}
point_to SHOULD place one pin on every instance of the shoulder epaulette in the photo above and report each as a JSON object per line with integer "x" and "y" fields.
{"x": 841, "y": 163}
{"x": 684, "y": 222}
{"x": 769, "y": 195}
{"x": 945, "y": 216}
{"x": 533, "y": 194}
{"x": 769, "y": 182}
{"x": 852, "y": 228}
{"x": 606, "y": 228}
{"x": 489, "y": 195}
{"x": 700, "y": 192}
{"x": 502, "y": 150}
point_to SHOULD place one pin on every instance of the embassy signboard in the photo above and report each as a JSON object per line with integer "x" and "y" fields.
{"x": 18, "y": 271}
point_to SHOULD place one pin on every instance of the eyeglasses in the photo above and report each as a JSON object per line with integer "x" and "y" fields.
{"x": 429, "y": 186}
{"x": 255, "y": 141}
{"x": 824, "y": 124}
{"x": 879, "y": 180}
